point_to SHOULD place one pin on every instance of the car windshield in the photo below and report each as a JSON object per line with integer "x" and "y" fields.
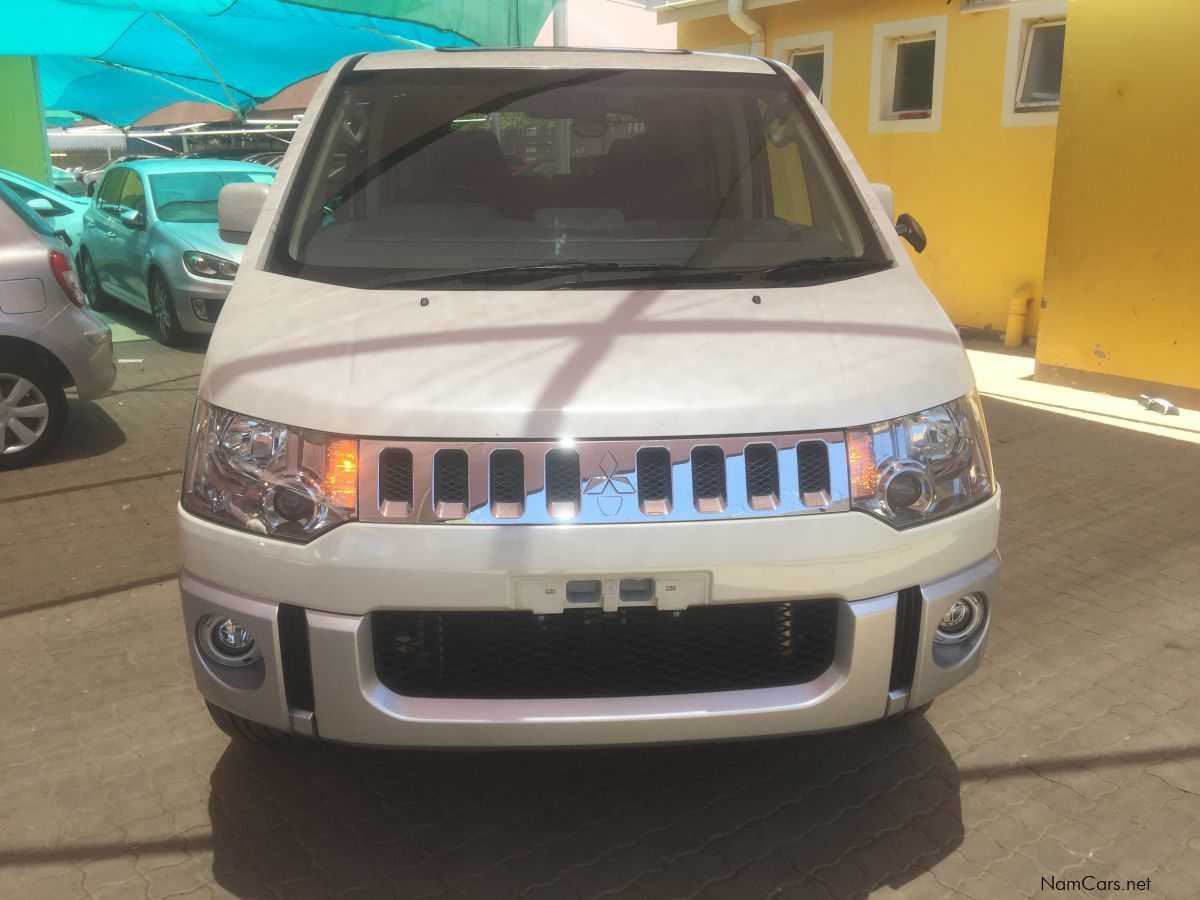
{"x": 490, "y": 177}
{"x": 192, "y": 196}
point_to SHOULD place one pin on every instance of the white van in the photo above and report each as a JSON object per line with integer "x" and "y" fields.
{"x": 578, "y": 397}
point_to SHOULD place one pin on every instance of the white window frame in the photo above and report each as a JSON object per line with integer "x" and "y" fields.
{"x": 1022, "y": 19}
{"x": 887, "y": 37}
{"x": 784, "y": 48}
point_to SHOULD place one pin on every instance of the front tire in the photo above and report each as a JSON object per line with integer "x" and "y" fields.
{"x": 162, "y": 307}
{"x": 97, "y": 299}
{"x": 33, "y": 410}
{"x": 241, "y": 729}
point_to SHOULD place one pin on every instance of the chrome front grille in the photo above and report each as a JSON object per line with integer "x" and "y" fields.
{"x": 602, "y": 481}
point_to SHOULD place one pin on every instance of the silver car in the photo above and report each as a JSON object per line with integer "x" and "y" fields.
{"x": 62, "y": 212}
{"x": 48, "y": 340}
{"x": 150, "y": 239}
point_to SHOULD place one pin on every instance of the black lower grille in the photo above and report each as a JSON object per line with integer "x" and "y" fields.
{"x": 636, "y": 651}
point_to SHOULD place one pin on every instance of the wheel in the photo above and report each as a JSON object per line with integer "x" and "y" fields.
{"x": 97, "y": 299}
{"x": 243, "y": 729}
{"x": 33, "y": 409}
{"x": 162, "y": 306}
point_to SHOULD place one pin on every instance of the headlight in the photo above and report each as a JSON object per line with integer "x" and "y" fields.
{"x": 267, "y": 478}
{"x": 920, "y": 467}
{"x": 209, "y": 266}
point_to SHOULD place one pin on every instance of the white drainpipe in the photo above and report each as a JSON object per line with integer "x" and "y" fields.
{"x": 737, "y": 15}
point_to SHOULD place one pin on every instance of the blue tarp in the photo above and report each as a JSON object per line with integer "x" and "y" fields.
{"x": 119, "y": 60}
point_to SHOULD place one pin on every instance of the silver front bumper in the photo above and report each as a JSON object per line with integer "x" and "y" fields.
{"x": 352, "y": 706}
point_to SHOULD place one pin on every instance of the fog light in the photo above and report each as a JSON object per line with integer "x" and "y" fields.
{"x": 200, "y": 308}
{"x": 231, "y": 638}
{"x": 964, "y": 618}
{"x": 226, "y": 641}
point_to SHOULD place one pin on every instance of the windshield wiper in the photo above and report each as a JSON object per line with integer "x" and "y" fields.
{"x": 822, "y": 266}
{"x": 523, "y": 273}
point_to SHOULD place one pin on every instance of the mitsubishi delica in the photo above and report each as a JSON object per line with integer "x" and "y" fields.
{"x": 575, "y": 397}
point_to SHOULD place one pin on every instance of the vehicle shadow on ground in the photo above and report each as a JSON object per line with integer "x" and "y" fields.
{"x": 89, "y": 431}
{"x": 140, "y": 322}
{"x": 848, "y": 811}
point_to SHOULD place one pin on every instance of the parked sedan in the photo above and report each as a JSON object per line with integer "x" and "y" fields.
{"x": 91, "y": 177}
{"x": 67, "y": 180}
{"x": 150, "y": 239}
{"x": 61, "y": 212}
{"x": 48, "y": 340}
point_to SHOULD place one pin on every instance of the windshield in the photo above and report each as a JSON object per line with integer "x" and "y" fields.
{"x": 475, "y": 176}
{"x": 192, "y": 196}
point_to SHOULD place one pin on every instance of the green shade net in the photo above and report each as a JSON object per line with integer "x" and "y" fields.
{"x": 116, "y": 61}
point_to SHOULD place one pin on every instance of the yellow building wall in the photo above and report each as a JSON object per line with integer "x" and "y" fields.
{"x": 981, "y": 191}
{"x": 1123, "y": 257}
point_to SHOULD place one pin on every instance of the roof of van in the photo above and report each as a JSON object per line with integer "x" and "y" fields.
{"x": 561, "y": 58}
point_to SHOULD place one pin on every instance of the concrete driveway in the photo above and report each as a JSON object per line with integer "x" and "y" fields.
{"x": 1074, "y": 753}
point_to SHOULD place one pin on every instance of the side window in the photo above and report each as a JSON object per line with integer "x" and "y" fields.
{"x": 911, "y": 70}
{"x": 1033, "y": 66}
{"x": 908, "y": 68}
{"x": 1041, "y": 74}
{"x": 108, "y": 198}
{"x": 133, "y": 195}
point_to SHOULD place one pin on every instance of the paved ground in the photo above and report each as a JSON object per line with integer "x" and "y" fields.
{"x": 1073, "y": 752}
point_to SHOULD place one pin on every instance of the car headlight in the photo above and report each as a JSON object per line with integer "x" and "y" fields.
{"x": 920, "y": 467}
{"x": 209, "y": 266}
{"x": 268, "y": 478}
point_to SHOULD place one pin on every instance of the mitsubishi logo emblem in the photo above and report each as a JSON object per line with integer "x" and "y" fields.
{"x": 608, "y": 487}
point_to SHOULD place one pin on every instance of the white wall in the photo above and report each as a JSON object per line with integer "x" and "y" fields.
{"x": 611, "y": 23}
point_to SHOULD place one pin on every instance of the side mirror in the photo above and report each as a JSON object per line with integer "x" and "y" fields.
{"x": 64, "y": 237}
{"x": 238, "y": 206}
{"x": 132, "y": 218}
{"x": 884, "y": 193}
{"x": 909, "y": 229}
{"x": 41, "y": 206}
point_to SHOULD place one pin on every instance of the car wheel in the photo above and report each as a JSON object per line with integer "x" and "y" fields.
{"x": 162, "y": 306}
{"x": 97, "y": 299}
{"x": 243, "y": 729}
{"x": 33, "y": 409}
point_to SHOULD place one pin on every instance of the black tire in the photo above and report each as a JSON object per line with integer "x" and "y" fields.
{"x": 15, "y": 371}
{"x": 167, "y": 329}
{"x": 97, "y": 298}
{"x": 243, "y": 729}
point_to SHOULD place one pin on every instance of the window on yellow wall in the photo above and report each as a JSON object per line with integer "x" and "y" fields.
{"x": 909, "y": 72}
{"x": 810, "y": 66}
{"x": 1041, "y": 67}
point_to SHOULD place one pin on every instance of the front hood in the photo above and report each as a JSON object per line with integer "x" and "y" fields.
{"x": 582, "y": 363}
{"x": 204, "y": 238}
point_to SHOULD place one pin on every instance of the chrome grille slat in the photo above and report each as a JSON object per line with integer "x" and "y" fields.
{"x": 603, "y": 481}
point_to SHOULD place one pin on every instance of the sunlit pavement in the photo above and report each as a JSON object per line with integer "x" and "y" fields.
{"x": 1073, "y": 752}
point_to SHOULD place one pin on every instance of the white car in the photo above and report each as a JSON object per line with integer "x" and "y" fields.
{"x": 659, "y": 437}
